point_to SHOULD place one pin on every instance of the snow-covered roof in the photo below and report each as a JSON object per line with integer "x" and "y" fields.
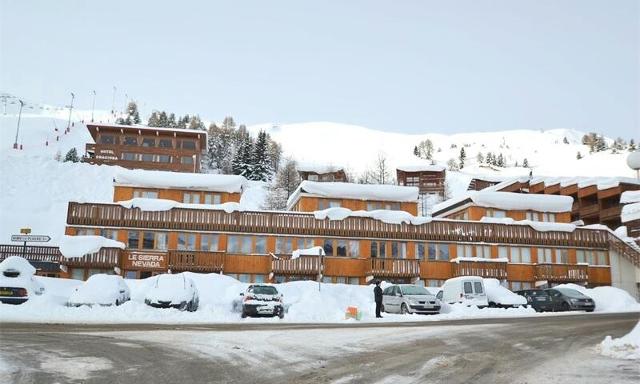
{"x": 178, "y": 180}
{"x": 156, "y": 205}
{"x": 508, "y": 201}
{"x": 318, "y": 168}
{"x": 630, "y": 197}
{"x": 601, "y": 183}
{"x": 630, "y": 212}
{"x": 376, "y": 192}
{"x": 78, "y": 246}
{"x": 194, "y": 132}
{"x": 424, "y": 167}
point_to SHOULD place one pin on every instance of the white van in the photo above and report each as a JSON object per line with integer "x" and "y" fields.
{"x": 467, "y": 290}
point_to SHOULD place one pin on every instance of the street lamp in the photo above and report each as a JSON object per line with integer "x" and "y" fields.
{"x": 15, "y": 143}
{"x": 93, "y": 105}
{"x": 70, "y": 109}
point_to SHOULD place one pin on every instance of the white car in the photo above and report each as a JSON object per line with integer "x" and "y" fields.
{"x": 468, "y": 290}
{"x": 173, "y": 291}
{"x": 17, "y": 281}
{"x": 499, "y": 296}
{"x": 409, "y": 298}
{"x": 100, "y": 289}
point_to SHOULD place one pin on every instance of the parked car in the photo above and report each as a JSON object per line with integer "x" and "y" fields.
{"x": 17, "y": 281}
{"x": 408, "y": 298}
{"x": 262, "y": 300}
{"x": 468, "y": 290}
{"x": 100, "y": 289}
{"x": 499, "y": 296}
{"x": 173, "y": 291}
{"x": 567, "y": 299}
{"x": 538, "y": 299}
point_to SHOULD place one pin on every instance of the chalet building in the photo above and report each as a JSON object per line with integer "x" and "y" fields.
{"x": 477, "y": 206}
{"x": 327, "y": 173}
{"x": 479, "y": 183}
{"x": 140, "y": 147}
{"x": 313, "y": 196}
{"x": 429, "y": 178}
{"x": 181, "y": 187}
{"x": 630, "y": 215}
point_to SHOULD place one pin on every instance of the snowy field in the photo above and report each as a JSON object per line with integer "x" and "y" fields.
{"x": 305, "y": 302}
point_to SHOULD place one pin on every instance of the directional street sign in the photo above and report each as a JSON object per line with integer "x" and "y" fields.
{"x": 31, "y": 238}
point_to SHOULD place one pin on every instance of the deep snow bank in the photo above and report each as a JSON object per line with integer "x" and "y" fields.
{"x": 626, "y": 347}
{"x": 608, "y": 299}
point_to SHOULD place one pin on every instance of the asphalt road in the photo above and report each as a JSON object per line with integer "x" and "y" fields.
{"x": 553, "y": 349}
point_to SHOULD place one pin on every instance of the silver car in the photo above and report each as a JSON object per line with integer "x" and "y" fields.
{"x": 408, "y": 298}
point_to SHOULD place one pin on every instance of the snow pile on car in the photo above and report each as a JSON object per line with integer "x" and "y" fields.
{"x": 626, "y": 347}
{"x": 500, "y": 295}
{"x": 98, "y": 289}
{"x": 607, "y": 299}
{"x": 167, "y": 287}
{"x": 19, "y": 264}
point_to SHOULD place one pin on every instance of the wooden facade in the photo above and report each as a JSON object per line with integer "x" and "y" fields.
{"x": 429, "y": 180}
{"x": 470, "y": 211}
{"x": 138, "y": 147}
{"x": 257, "y": 246}
{"x": 336, "y": 174}
{"x": 193, "y": 196}
{"x": 309, "y": 203}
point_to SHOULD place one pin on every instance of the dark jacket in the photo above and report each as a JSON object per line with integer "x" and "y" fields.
{"x": 377, "y": 292}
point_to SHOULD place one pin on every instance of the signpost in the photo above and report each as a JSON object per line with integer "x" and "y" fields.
{"x": 26, "y": 237}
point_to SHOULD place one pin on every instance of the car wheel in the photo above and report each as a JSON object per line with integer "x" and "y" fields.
{"x": 243, "y": 314}
{"x": 403, "y": 309}
{"x": 183, "y": 306}
{"x": 281, "y": 314}
{"x": 492, "y": 305}
{"x": 565, "y": 306}
{"x": 118, "y": 302}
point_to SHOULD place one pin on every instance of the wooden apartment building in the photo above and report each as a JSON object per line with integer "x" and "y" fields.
{"x": 140, "y": 147}
{"x": 429, "y": 178}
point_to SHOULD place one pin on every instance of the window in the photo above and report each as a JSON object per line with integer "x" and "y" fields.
{"x": 161, "y": 241}
{"x": 438, "y": 251}
{"x": 477, "y": 287}
{"x": 145, "y": 194}
{"x": 239, "y": 244}
{"x": 261, "y": 245}
{"x": 77, "y": 274}
{"x": 398, "y": 250}
{"x": 191, "y": 198}
{"x": 148, "y": 142}
{"x": 165, "y": 143}
{"x": 186, "y": 160}
{"x": 85, "y": 232}
{"x": 354, "y": 280}
{"x": 373, "y": 206}
{"x": 209, "y": 242}
{"x": 434, "y": 283}
{"x": 549, "y": 217}
{"x": 107, "y": 139}
{"x": 129, "y": 156}
{"x": 328, "y": 247}
{"x": 496, "y": 213}
{"x": 354, "y": 248}
{"x": 186, "y": 241}
{"x": 259, "y": 279}
{"x": 133, "y": 239}
{"x": 304, "y": 243}
{"x": 580, "y": 256}
{"x": 503, "y": 252}
{"x": 312, "y": 177}
{"x": 341, "y": 248}
{"x": 562, "y": 255}
{"x": 545, "y": 255}
{"x": 130, "y": 140}
{"x": 468, "y": 289}
{"x": 327, "y": 279}
{"x": 147, "y": 157}
{"x": 341, "y": 280}
{"x": 483, "y": 251}
{"x": 324, "y": 204}
{"x": 465, "y": 250}
{"x": 244, "y": 278}
{"x": 420, "y": 251}
{"x": 532, "y": 216}
{"x": 392, "y": 206}
{"x": 164, "y": 159}
{"x": 284, "y": 245}
{"x": 602, "y": 258}
{"x": 212, "y": 198}
{"x": 148, "y": 240}
{"x": 378, "y": 249}
{"x": 109, "y": 234}
{"x": 520, "y": 255}
{"x": 188, "y": 144}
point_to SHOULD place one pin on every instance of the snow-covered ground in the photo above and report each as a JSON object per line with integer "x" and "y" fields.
{"x": 625, "y": 347}
{"x": 305, "y": 302}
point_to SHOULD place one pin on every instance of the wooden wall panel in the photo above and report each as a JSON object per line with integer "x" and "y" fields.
{"x": 435, "y": 270}
{"x": 342, "y": 266}
{"x": 600, "y": 275}
{"x": 520, "y": 272}
{"x": 247, "y": 264}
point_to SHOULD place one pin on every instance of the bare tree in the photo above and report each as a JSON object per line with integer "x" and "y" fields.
{"x": 284, "y": 184}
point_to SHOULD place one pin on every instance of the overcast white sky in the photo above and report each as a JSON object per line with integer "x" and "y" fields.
{"x": 405, "y": 66}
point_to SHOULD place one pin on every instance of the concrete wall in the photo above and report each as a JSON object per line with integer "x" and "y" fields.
{"x": 624, "y": 274}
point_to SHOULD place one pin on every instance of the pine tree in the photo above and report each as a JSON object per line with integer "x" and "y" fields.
{"x": 274, "y": 154}
{"x": 241, "y": 164}
{"x": 171, "y": 121}
{"x": 163, "y": 121}
{"x": 58, "y": 156}
{"x": 462, "y": 157}
{"x": 154, "y": 120}
{"x": 415, "y": 151}
{"x": 228, "y": 123}
{"x": 285, "y": 182}
{"x": 516, "y": 165}
{"x": 480, "y": 158}
{"x": 194, "y": 122}
{"x": 632, "y": 145}
{"x": 491, "y": 159}
{"x": 579, "y": 155}
{"x": 500, "y": 161}
{"x": 261, "y": 169}
{"x": 525, "y": 163}
{"x": 565, "y": 140}
{"x": 72, "y": 156}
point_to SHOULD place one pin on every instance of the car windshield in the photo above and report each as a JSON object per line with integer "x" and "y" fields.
{"x": 414, "y": 290}
{"x": 570, "y": 292}
{"x": 263, "y": 290}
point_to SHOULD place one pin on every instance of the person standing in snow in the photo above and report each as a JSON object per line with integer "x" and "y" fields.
{"x": 377, "y": 295}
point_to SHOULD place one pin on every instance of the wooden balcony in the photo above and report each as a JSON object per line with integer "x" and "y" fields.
{"x": 611, "y": 212}
{"x": 387, "y": 267}
{"x": 303, "y": 265}
{"x": 112, "y": 154}
{"x": 562, "y": 273}
{"x": 196, "y": 261}
{"x": 31, "y": 253}
{"x": 105, "y": 258}
{"x": 589, "y": 210}
{"x": 487, "y": 269}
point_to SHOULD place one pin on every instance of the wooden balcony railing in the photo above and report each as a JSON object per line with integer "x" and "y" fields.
{"x": 562, "y": 272}
{"x": 105, "y": 258}
{"x": 31, "y": 252}
{"x": 303, "y": 265}
{"x": 611, "y": 212}
{"x": 488, "y": 269}
{"x": 196, "y": 261}
{"x": 589, "y": 210}
{"x": 387, "y": 267}
{"x": 297, "y": 223}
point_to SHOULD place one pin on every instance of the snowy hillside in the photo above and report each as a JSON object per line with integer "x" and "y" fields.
{"x": 357, "y": 148}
